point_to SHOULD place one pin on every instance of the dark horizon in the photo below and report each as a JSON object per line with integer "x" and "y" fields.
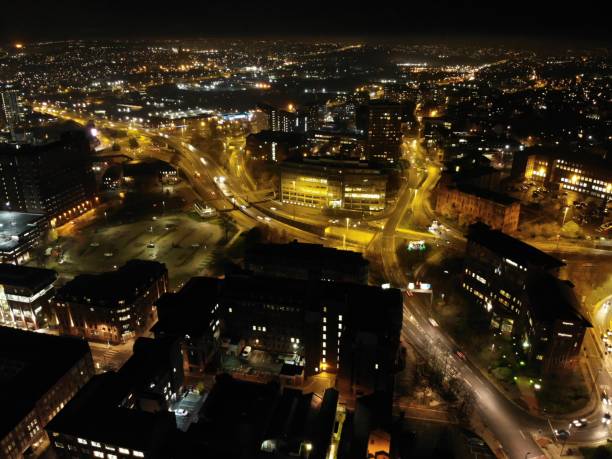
{"x": 438, "y": 20}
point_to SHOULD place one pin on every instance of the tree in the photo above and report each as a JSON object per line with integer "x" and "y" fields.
{"x": 133, "y": 143}
{"x": 116, "y": 147}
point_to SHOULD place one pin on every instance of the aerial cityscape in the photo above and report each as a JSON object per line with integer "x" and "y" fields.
{"x": 249, "y": 232}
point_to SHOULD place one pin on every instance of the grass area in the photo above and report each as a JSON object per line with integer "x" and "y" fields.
{"x": 563, "y": 395}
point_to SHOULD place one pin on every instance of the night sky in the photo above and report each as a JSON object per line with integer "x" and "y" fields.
{"x": 35, "y": 20}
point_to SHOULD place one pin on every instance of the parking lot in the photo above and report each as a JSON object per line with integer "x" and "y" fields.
{"x": 184, "y": 244}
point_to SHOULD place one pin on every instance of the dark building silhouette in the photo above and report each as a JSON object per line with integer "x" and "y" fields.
{"x": 307, "y": 261}
{"x": 125, "y": 413}
{"x": 349, "y": 329}
{"x": 39, "y": 375}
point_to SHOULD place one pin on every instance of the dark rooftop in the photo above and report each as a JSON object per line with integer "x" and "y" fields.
{"x": 489, "y": 195}
{"x": 300, "y": 253}
{"x": 107, "y": 289}
{"x": 511, "y": 248}
{"x": 194, "y": 301}
{"x": 553, "y": 299}
{"x": 25, "y": 276}
{"x": 94, "y": 414}
{"x": 30, "y": 363}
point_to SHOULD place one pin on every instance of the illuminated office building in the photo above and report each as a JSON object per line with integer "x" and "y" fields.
{"x": 585, "y": 175}
{"x": 333, "y": 184}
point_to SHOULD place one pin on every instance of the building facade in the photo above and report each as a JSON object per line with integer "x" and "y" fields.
{"x": 518, "y": 287}
{"x": 497, "y": 210}
{"x": 113, "y": 306}
{"x": 587, "y": 176}
{"x": 124, "y": 414}
{"x": 25, "y": 296}
{"x": 348, "y": 329}
{"x": 20, "y": 232}
{"x": 41, "y": 373}
{"x": 333, "y": 184}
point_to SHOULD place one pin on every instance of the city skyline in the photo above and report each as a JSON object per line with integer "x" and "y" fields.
{"x": 392, "y": 243}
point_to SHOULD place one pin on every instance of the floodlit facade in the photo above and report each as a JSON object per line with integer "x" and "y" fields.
{"x": 333, "y": 184}
{"x": 112, "y": 306}
{"x": 25, "y": 294}
{"x": 495, "y": 209}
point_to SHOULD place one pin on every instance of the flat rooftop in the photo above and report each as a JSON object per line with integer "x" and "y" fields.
{"x": 554, "y": 299}
{"x": 30, "y": 364}
{"x": 499, "y": 198}
{"x": 25, "y": 276}
{"x": 296, "y": 253}
{"x": 13, "y": 225}
{"x": 107, "y": 289}
{"x": 511, "y": 248}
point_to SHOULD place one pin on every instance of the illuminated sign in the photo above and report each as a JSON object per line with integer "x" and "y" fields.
{"x": 416, "y": 245}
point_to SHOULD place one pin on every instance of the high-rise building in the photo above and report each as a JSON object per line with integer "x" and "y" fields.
{"x": 382, "y": 122}
{"x": 279, "y": 120}
{"x": 10, "y": 109}
{"x": 54, "y": 179}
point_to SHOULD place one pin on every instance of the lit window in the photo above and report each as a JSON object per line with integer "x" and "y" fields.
{"x": 111, "y": 456}
{"x": 124, "y": 451}
{"x": 340, "y": 318}
{"x": 98, "y": 454}
{"x": 82, "y": 441}
{"x": 96, "y": 444}
{"x": 138, "y": 453}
